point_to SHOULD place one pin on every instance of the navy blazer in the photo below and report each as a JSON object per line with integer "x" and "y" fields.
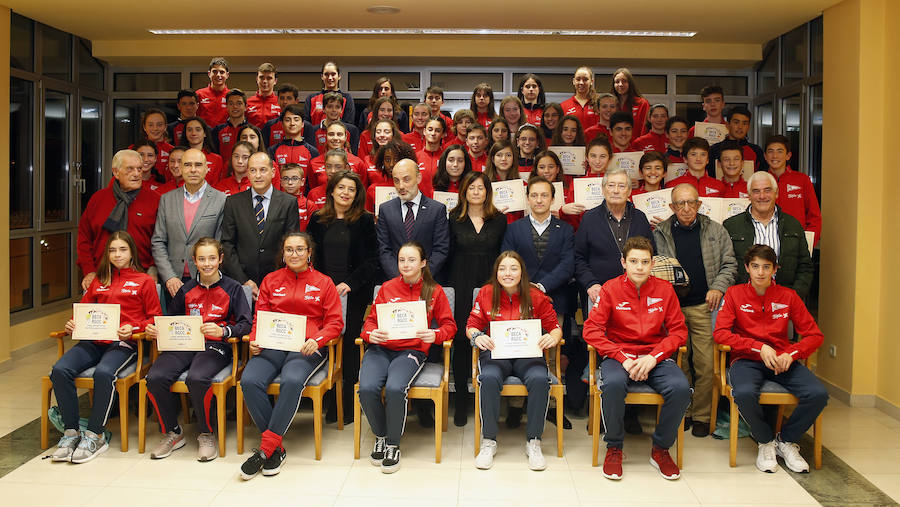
{"x": 432, "y": 230}
{"x": 556, "y": 269}
{"x": 597, "y": 255}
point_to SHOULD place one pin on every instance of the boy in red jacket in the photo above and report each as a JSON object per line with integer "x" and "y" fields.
{"x": 636, "y": 325}
{"x": 754, "y": 323}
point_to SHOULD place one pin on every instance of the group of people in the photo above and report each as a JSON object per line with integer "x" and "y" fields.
{"x": 296, "y": 228}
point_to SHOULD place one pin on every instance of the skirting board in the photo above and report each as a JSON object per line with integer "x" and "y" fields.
{"x": 862, "y": 400}
{"x": 24, "y": 352}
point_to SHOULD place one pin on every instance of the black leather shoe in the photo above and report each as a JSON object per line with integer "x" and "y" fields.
{"x": 700, "y": 429}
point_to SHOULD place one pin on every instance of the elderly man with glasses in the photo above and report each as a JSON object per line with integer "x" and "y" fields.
{"x": 704, "y": 250}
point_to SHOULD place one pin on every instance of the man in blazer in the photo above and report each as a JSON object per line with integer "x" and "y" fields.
{"x": 185, "y": 215}
{"x": 428, "y": 223}
{"x": 254, "y": 222}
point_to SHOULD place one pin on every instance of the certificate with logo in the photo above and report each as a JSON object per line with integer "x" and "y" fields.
{"x": 810, "y": 240}
{"x": 675, "y": 170}
{"x": 711, "y": 207}
{"x": 383, "y": 194}
{"x": 747, "y": 170}
{"x": 571, "y": 158}
{"x": 514, "y": 339}
{"x": 509, "y": 194}
{"x": 588, "y": 192}
{"x": 448, "y": 199}
{"x": 402, "y": 320}
{"x": 180, "y": 332}
{"x": 733, "y": 206}
{"x": 654, "y": 204}
{"x": 712, "y": 132}
{"x": 630, "y": 161}
{"x": 280, "y": 331}
{"x": 96, "y": 321}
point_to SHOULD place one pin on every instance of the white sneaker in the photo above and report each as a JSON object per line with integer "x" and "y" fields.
{"x": 765, "y": 458}
{"x": 536, "y": 459}
{"x": 67, "y": 445}
{"x": 485, "y": 458}
{"x": 790, "y": 452}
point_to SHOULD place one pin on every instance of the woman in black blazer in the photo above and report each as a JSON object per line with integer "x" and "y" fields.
{"x": 348, "y": 254}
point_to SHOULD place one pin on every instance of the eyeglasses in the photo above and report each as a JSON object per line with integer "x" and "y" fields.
{"x": 614, "y": 186}
{"x": 291, "y": 179}
{"x": 295, "y": 251}
{"x": 685, "y": 204}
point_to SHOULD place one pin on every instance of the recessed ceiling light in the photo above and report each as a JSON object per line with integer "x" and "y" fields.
{"x": 421, "y": 31}
{"x": 383, "y": 9}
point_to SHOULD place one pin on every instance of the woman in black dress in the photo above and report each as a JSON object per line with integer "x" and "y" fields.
{"x": 476, "y": 232}
{"x": 347, "y": 253}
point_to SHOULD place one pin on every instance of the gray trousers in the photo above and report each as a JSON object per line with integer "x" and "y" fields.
{"x": 393, "y": 371}
{"x": 534, "y": 374}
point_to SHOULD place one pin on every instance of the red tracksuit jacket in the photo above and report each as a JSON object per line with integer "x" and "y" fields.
{"x": 596, "y": 130}
{"x": 627, "y": 322}
{"x": 212, "y": 106}
{"x": 651, "y": 141}
{"x": 747, "y": 321}
{"x": 308, "y": 293}
{"x": 481, "y": 317}
{"x": 414, "y": 139}
{"x": 797, "y": 197}
{"x": 706, "y": 186}
{"x": 485, "y": 118}
{"x": 639, "y": 112}
{"x": 225, "y": 136}
{"x": 398, "y": 291}
{"x": 262, "y": 109}
{"x": 735, "y": 190}
{"x": 216, "y": 167}
{"x": 586, "y": 113}
{"x": 230, "y": 186}
{"x": 222, "y": 303}
{"x": 92, "y": 236}
{"x": 317, "y": 176}
{"x": 134, "y": 292}
{"x": 534, "y": 113}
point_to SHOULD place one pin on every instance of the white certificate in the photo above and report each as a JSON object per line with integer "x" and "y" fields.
{"x": 280, "y": 331}
{"x": 509, "y": 194}
{"x": 525, "y": 175}
{"x": 654, "y": 204}
{"x": 747, "y": 170}
{"x": 402, "y": 320}
{"x": 571, "y": 158}
{"x": 711, "y": 207}
{"x": 448, "y": 199}
{"x": 558, "y": 199}
{"x": 810, "y": 240}
{"x": 383, "y": 194}
{"x": 180, "y": 332}
{"x": 514, "y": 339}
{"x": 588, "y": 192}
{"x": 675, "y": 170}
{"x": 96, "y": 321}
{"x": 712, "y": 132}
{"x": 630, "y": 161}
{"x": 733, "y": 206}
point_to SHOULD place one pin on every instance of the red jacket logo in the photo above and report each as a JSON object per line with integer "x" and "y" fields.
{"x": 747, "y": 308}
{"x": 280, "y": 292}
{"x": 624, "y": 305}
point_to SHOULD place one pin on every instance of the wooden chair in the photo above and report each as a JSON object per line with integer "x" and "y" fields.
{"x": 513, "y": 386}
{"x": 222, "y": 382}
{"x": 638, "y": 394}
{"x": 771, "y": 393}
{"x": 432, "y": 383}
{"x": 321, "y": 382}
{"x": 128, "y": 377}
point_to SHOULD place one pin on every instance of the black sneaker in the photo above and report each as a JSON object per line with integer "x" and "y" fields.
{"x": 273, "y": 463}
{"x": 253, "y": 465}
{"x": 377, "y": 455}
{"x": 391, "y": 461}
{"x": 513, "y": 417}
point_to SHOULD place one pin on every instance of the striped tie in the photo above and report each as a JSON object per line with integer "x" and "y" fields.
{"x": 410, "y": 221}
{"x": 260, "y": 214}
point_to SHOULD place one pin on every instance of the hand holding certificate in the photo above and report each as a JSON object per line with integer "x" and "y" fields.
{"x": 180, "y": 333}
{"x": 630, "y": 162}
{"x": 95, "y": 321}
{"x": 654, "y": 204}
{"x": 509, "y": 195}
{"x": 712, "y": 132}
{"x": 280, "y": 331}
{"x": 402, "y": 321}
{"x": 588, "y": 192}
{"x": 515, "y": 339}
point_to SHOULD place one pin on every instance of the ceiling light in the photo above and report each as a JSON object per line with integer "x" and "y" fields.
{"x": 421, "y": 31}
{"x": 383, "y": 9}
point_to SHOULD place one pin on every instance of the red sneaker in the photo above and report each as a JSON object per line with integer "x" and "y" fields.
{"x": 661, "y": 461}
{"x": 612, "y": 464}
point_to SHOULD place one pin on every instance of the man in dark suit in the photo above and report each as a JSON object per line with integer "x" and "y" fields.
{"x": 411, "y": 217}
{"x": 254, "y": 222}
{"x": 547, "y": 245}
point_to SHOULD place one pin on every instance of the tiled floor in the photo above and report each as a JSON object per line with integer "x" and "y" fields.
{"x": 866, "y": 439}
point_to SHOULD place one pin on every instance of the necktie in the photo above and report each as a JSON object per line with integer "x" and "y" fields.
{"x": 260, "y": 214}
{"x": 410, "y": 221}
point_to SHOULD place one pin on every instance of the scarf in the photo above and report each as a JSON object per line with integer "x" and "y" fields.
{"x": 118, "y": 217}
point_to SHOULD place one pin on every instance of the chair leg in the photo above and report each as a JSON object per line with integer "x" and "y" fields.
{"x": 46, "y": 388}
{"x": 239, "y": 408}
{"x": 357, "y": 421}
{"x": 446, "y": 410}
{"x": 679, "y": 445}
{"x": 185, "y": 410}
{"x": 595, "y": 425}
{"x": 438, "y": 425}
{"x": 734, "y": 421}
{"x": 317, "y": 425}
{"x": 123, "y": 413}
{"x": 339, "y": 401}
{"x": 780, "y": 419}
{"x": 220, "y": 417}
{"x": 817, "y": 442}
{"x": 477, "y": 416}
{"x": 714, "y": 408}
{"x": 559, "y": 423}
{"x": 142, "y": 416}
{"x": 590, "y": 428}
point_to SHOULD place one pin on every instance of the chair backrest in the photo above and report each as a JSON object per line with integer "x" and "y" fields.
{"x": 475, "y": 294}
{"x": 344, "y": 312}
{"x": 162, "y": 302}
{"x": 248, "y": 293}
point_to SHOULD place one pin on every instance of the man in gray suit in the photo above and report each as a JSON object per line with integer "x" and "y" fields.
{"x": 185, "y": 215}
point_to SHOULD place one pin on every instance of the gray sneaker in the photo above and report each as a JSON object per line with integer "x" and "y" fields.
{"x": 90, "y": 446}
{"x": 168, "y": 443}
{"x": 208, "y": 450}
{"x": 66, "y": 446}
{"x": 486, "y": 452}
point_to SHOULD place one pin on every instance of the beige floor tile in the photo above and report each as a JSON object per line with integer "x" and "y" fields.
{"x": 635, "y": 486}
{"x": 387, "y": 501}
{"x": 21, "y": 493}
{"x": 327, "y": 479}
{"x": 101, "y": 471}
{"x": 154, "y": 497}
{"x": 522, "y": 484}
{"x": 150, "y": 473}
{"x": 888, "y": 483}
{"x": 414, "y": 483}
{"x": 869, "y": 461}
{"x": 723, "y": 488}
{"x": 251, "y": 497}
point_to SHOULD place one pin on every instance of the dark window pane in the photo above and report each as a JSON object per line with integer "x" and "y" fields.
{"x": 21, "y": 164}
{"x": 815, "y": 140}
{"x": 765, "y": 121}
{"x": 792, "y": 120}
{"x": 20, "y": 270}
{"x": 90, "y": 70}
{"x": 690, "y": 111}
{"x": 21, "y": 43}
{"x": 691, "y": 85}
{"x": 55, "y": 267}
{"x": 650, "y": 84}
{"x": 91, "y": 148}
{"x": 147, "y": 82}
{"x": 793, "y": 55}
{"x": 553, "y": 83}
{"x": 127, "y": 127}
{"x": 56, "y": 51}
{"x": 56, "y": 157}
{"x": 817, "y": 49}
{"x": 765, "y": 75}
{"x": 463, "y": 82}
{"x": 365, "y": 81}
